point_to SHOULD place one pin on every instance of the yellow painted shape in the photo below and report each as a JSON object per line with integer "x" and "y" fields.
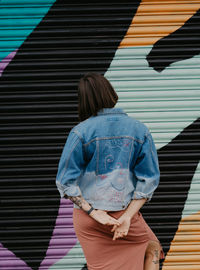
{"x": 157, "y": 19}
{"x": 184, "y": 252}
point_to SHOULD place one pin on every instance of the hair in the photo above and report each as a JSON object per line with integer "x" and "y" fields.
{"x": 95, "y": 92}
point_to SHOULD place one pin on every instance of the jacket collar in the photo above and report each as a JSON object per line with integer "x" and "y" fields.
{"x": 110, "y": 111}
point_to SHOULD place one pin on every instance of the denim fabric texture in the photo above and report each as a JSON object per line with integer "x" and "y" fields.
{"x": 109, "y": 159}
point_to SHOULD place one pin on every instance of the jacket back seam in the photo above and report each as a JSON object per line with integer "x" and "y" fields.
{"x": 112, "y": 137}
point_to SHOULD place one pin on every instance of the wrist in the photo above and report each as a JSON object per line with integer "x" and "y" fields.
{"x": 89, "y": 211}
{"x": 92, "y": 213}
{"x": 127, "y": 215}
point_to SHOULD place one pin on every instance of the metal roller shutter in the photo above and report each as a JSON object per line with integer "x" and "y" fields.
{"x": 149, "y": 50}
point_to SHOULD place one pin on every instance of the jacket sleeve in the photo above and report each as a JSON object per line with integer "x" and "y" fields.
{"x": 146, "y": 170}
{"x": 70, "y": 166}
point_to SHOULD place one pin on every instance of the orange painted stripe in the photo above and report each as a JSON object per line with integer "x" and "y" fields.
{"x": 182, "y": 259}
{"x": 185, "y": 247}
{"x": 182, "y": 267}
{"x": 194, "y": 217}
{"x": 157, "y": 19}
{"x": 170, "y": 1}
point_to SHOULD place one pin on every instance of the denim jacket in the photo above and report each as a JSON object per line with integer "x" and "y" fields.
{"x": 109, "y": 159}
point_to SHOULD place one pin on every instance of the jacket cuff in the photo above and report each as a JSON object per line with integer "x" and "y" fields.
{"x": 139, "y": 195}
{"x": 72, "y": 190}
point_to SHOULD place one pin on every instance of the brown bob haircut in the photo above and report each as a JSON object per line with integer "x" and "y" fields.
{"x": 95, "y": 92}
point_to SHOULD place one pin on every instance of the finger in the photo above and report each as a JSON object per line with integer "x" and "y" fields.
{"x": 120, "y": 234}
{"x": 113, "y": 222}
{"x": 115, "y": 236}
{"x": 114, "y": 228}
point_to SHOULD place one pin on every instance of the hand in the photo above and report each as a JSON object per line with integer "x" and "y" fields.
{"x": 122, "y": 230}
{"x": 103, "y": 218}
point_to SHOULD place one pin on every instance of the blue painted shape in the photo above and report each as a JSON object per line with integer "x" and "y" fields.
{"x": 18, "y": 20}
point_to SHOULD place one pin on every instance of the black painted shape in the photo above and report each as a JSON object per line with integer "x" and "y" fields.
{"x": 70, "y": 40}
{"x": 178, "y": 162}
{"x": 182, "y": 44}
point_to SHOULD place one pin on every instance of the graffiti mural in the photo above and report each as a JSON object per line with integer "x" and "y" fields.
{"x": 150, "y": 51}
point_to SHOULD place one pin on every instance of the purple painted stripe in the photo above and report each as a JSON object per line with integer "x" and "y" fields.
{"x": 61, "y": 231}
{"x": 66, "y": 210}
{"x": 62, "y": 242}
{"x": 10, "y": 261}
{"x": 63, "y": 237}
{"x": 4, "y": 62}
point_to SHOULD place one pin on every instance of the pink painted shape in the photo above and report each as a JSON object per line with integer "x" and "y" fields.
{"x": 4, "y": 62}
{"x": 63, "y": 238}
{"x": 8, "y": 260}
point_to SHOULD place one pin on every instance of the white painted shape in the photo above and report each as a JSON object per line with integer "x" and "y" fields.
{"x": 144, "y": 78}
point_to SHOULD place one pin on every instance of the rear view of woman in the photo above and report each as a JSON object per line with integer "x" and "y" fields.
{"x": 109, "y": 169}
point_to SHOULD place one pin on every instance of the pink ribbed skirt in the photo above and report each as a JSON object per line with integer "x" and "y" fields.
{"x": 102, "y": 253}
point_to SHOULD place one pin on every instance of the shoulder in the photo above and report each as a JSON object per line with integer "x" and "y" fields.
{"x": 139, "y": 127}
{"x": 81, "y": 128}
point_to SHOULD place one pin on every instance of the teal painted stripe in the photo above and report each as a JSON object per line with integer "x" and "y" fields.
{"x": 20, "y": 22}
{"x": 23, "y": 11}
{"x": 25, "y": 2}
{"x": 73, "y": 260}
{"x": 12, "y": 44}
{"x": 19, "y": 33}
{"x": 12, "y": 39}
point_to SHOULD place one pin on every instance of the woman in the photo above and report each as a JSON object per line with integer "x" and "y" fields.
{"x": 109, "y": 169}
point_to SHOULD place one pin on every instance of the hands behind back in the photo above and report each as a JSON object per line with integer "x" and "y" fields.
{"x": 103, "y": 218}
{"x": 120, "y": 226}
{"x": 121, "y": 230}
